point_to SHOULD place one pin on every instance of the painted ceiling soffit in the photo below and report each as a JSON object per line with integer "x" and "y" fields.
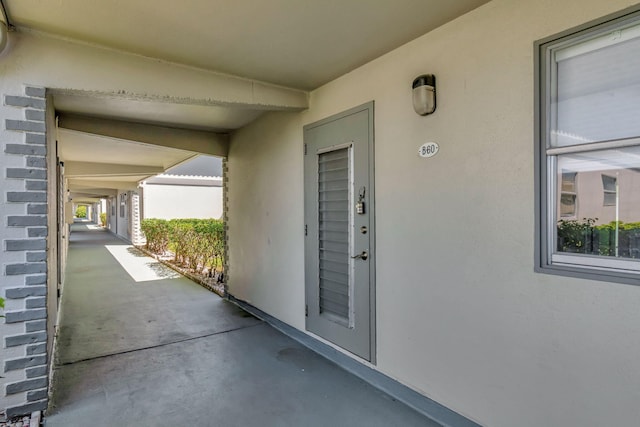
{"x": 266, "y": 96}
{"x": 197, "y": 141}
{"x": 287, "y": 100}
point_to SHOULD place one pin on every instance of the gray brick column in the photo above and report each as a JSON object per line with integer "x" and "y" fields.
{"x": 30, "y": 272}
{"x": 225, "y": 218}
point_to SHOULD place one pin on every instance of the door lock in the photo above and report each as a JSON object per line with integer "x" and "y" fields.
{"x": 360, "y": 209}
{"x": 363, "y": 256}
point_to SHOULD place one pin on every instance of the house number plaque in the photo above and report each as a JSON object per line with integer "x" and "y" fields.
{"x": 429, "y": 149}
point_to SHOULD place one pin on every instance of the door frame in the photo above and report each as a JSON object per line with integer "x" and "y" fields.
{"x": 369, "y": 108}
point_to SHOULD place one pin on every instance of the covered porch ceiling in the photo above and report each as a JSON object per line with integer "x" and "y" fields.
{"x": 101, "y": 156}
{"x": 97, "y": 165}
{"x": 282, "y": 47}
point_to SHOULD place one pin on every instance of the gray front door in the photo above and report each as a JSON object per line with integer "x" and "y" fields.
{"x": 339, "y": 227}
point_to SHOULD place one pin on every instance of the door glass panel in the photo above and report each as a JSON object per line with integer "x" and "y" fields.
{"x": 334, "y": 225}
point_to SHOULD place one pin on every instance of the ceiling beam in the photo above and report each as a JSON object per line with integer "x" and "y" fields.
{"x": 86, "y": 169}
{"x": 210, "y": 143}
{"x": 105, "y": 71}
{"x": 107, "y": 192}
{"x": 79, "y": 197}
{"x": 77, "y": 183}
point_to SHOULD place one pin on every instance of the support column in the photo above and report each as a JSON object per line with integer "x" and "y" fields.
{"x": 25, "y": 329}
{"x": 225, "y": 219}
{"x": 137, "y": 236}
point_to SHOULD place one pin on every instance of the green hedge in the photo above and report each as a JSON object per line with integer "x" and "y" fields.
{"x": 583, "y": 236}
{"x": 196, "y": 243}
{"x": 81, "y": 211}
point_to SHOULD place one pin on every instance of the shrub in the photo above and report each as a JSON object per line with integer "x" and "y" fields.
{"x": 81, "y": 211}
{"x": 183, "y": 240}
{"x": 103, "y": 219}
{"x": 573, "y": 235}
{"x": 612, "y": 239}
{"x": 156, "y": 232}
{"x": 196, "y": 243}
{"x": 211, "y": 243}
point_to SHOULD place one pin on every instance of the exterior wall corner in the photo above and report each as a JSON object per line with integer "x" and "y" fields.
{"x": 25, "y": 231}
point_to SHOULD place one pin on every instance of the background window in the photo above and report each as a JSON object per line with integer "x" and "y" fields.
{"x": 568, "y": 195}
{"x": 609, "y": 185}
{"x": 589, "y": 148}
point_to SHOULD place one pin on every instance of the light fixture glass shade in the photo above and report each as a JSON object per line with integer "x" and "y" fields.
{"x": 424, "y": 94}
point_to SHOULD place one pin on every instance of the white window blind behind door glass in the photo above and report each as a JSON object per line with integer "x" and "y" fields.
{"x": 334, "y": 213}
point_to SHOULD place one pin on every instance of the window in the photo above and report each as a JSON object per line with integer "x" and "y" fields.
{"x": 610, "y": 187}
{"x": 568, "y": 195}
{"x": 588, "y": 136}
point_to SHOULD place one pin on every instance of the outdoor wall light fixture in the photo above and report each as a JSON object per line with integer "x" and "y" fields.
{"x": 424, "y": 94}
{"x": 5, "y": 27}
{"x": 4, "y": 36}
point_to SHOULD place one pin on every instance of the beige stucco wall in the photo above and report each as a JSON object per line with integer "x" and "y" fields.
{"x": 461, "y": 315}
{"x": 266, "y": 227}
{"x": 590, "y": 203}
{"x": 57, "y": 246}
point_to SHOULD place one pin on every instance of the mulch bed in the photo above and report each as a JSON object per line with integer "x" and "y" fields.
{"x": 214, "y": 284}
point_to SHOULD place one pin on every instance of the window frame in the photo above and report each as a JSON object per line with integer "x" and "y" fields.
{"x": 573, "y": 193}
{"x": 606, "y": 192}
{"x": 592, "y": 268}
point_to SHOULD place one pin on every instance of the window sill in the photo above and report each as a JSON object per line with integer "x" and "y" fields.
{"x": 625, "y": 277}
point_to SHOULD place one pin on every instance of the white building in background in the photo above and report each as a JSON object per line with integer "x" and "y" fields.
{"x": 168, "y": 196}
{"x": 192, "y": 189}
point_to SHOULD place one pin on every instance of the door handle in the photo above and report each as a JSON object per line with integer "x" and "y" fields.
{"x": 363, "y": 256}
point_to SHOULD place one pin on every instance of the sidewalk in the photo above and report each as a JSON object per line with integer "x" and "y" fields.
{"x": 141, "y": 346}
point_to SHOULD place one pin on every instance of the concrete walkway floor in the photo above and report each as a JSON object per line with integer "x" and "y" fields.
{"x": 141, "y": 346}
